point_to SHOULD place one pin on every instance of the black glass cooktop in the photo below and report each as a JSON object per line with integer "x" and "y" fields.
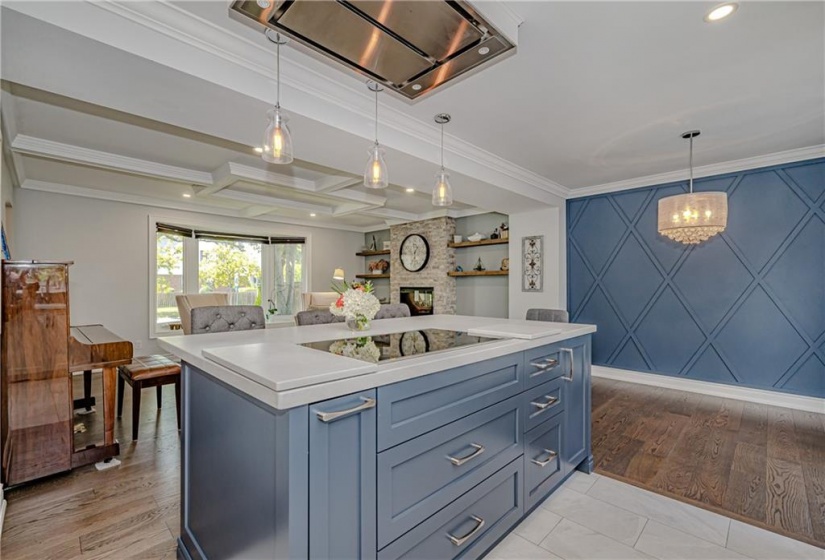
{"x": 385, "y": 347}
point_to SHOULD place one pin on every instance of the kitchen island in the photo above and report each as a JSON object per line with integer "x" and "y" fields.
{"x": 438, "y": 450}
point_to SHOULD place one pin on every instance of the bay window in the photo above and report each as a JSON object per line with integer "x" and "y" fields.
{"x": 252, "y": 270}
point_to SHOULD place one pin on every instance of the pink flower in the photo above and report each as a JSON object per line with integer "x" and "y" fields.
{"x": 340, "y": 302}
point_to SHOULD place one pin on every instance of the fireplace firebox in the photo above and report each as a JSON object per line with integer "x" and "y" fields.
{"x": 419, "y": 300}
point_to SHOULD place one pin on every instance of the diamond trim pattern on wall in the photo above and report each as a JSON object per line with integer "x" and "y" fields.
{"x": 746, "y": 307}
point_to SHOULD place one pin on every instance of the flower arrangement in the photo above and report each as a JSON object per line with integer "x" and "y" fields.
{"x": 362, "y": 348}
{"x": 356, "y": 303}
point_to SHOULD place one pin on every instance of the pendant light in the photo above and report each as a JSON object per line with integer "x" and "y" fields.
{"x": 442, "y": 191}
{"x": 277, "y": 145}
{"x": 375, "y": 175}
{"x": 693, "y": 217}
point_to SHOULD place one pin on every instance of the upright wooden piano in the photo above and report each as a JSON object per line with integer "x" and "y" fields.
{"x": 39, "y": 352}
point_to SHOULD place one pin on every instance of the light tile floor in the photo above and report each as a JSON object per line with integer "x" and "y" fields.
{"x": 593, "y": 517}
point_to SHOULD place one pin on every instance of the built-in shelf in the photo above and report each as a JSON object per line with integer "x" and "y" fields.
{"x": 372, "y": 276}
{"x": 480, "y": 273}
{"x": 481, "y": 243}
{"x": 372, "y": 253}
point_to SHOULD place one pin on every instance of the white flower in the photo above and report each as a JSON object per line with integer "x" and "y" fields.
{"x": 356, "y": 302}
{"x": 363, "y": 349}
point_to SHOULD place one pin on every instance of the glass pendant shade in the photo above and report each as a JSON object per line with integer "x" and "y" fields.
{"x": 693, "y": 217}
{"x": 375, "y": 175}
{"x": 442, "y": 191}
{"x": 277, "y": 145}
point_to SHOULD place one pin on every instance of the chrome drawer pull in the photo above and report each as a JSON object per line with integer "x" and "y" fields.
{"x": 570, "y": 352}
{"x": 551, "y": 455}
{"x": 547, "y": 364}
{"x": 543, "y": 405}
{"x": 479, "y": 449}
{"x": 458, "y": 541}
{"x": 332, "y": 416}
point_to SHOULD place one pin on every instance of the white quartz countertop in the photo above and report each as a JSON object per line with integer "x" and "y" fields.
{"x": 271, "y": 366}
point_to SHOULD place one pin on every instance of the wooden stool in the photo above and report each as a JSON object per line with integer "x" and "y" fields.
{"x": 147, "y": 371}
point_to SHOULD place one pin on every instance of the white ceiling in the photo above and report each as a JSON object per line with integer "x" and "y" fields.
{"x": 597, "y": 94}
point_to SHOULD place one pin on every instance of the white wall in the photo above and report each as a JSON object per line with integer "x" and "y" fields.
{"x": 549, "y": 222}
{"x": 109, "y": 244}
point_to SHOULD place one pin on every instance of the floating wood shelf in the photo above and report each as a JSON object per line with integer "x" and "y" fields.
{"x": 480, "y": 273}
{"x": 481, "y": 243}
{"x": 372, "y": 253}
{"x": 372, "y": 276}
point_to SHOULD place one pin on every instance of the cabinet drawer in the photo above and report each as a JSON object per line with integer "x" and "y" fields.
{"x": 469, "y": 525}
{"x": 543, "y": 364}
{"x": 542, "y": 460}
{"x": 423, "y": 475}
{"x": 411, "y": 408}
{"x": 541, "y": 403}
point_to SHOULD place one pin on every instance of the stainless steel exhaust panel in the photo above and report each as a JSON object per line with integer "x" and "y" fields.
{"x": 411, "y": 47}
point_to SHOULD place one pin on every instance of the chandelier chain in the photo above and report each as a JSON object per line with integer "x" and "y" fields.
{"x": 691, "y": 163}
{"x": 442, "y": 146}
{"x": 376, "y": 116}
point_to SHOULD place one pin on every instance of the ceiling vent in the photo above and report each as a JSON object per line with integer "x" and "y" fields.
{"x": 412, "y": 47}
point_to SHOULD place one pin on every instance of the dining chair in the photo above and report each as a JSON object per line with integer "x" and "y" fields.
{"x": 550, "y": 315}
{"x": 226, "y": 318}
{"x": 391, "y": 311}
{"x": 316, "y": 317}
{"x": 188, "y": 302}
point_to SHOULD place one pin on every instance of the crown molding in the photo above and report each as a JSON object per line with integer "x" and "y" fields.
{"x": 194, "y": 207}
{"x": 767, "y": 160}
{"x": 335, "y": 98}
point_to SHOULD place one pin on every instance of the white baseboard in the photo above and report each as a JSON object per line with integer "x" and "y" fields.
{"x": 2, "y": 513}
{"x": 796, "y": 402}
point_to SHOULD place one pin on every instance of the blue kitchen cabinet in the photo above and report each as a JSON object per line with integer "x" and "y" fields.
{"x": 576, "y": 452}
{"x": 342, "y": 477}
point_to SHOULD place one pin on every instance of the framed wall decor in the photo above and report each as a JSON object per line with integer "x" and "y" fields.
{"x": 532, "y": 263}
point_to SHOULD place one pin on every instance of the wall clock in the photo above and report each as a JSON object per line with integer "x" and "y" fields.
{"x": 414, "y": 342}
{"x": 415, "y": 252}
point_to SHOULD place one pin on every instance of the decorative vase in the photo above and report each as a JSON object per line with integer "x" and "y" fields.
{"x": 358, "y": 323}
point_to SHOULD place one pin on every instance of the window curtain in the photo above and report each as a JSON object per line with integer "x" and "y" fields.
{"x": 288, "y": 276}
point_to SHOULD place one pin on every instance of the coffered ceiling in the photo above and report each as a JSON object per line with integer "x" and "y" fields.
{"x": 149, "y": 101}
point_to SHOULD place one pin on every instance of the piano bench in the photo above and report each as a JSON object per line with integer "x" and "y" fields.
{"x": 143, "y": 372}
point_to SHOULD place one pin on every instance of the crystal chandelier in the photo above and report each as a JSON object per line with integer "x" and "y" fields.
{"x": 442, "y": 190}
{"x": 693, "y": 217}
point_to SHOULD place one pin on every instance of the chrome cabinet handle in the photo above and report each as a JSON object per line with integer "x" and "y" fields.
{"x": 332, "y": 416}
{"x": 543, "y": 405}
{"x": 458, "y": 541}
{"x": 549, "y": 363}
{"x": 479, "y": 449}
{"x": 570, "y": 352}
{"x": 550, "y": 456}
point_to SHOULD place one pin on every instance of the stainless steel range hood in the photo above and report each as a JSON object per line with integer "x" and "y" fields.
{"x": 412, "y": 47}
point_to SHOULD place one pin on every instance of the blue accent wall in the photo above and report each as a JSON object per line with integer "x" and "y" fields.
{"x": 746, "y": 307}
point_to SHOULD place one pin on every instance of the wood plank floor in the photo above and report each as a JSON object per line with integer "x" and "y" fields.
{"x": 130, "y": 511}
{"x": 760, "y": 464}
{"x": 763, "y": 465}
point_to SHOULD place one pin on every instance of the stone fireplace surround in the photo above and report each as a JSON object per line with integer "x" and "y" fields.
{"x": 438, "y": 232}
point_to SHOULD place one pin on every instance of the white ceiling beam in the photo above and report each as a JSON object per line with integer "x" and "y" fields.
{"x": 41, "y": 147}
{"x": 221, "y": 179}
{"x": 257, "y": 210}
{"x": 73, "y": 190}
{"x": 390, "y": 213}
{"x": 276, "y": 202}
{"x": 334, "y": 183}
{"x": 256, "y": 175}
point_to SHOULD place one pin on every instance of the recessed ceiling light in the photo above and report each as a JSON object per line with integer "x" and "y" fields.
{"x": 409, "y": 190}
{"x": 312, "y": 215}
{"x": 187, "y": 195}
{"x": 264, "y": 4}
{"x": 416, "y": 87}
{"x": 258, "y": 150}
{"x": 721, "y": 11}
{"x": 483, "y": 50}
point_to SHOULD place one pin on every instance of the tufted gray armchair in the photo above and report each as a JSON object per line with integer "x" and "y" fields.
{"x": 550, "y": 315}
{"x": 391, "y": 311}
{"x": 316, "y": 317}
{"x": 225, "y": 318}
